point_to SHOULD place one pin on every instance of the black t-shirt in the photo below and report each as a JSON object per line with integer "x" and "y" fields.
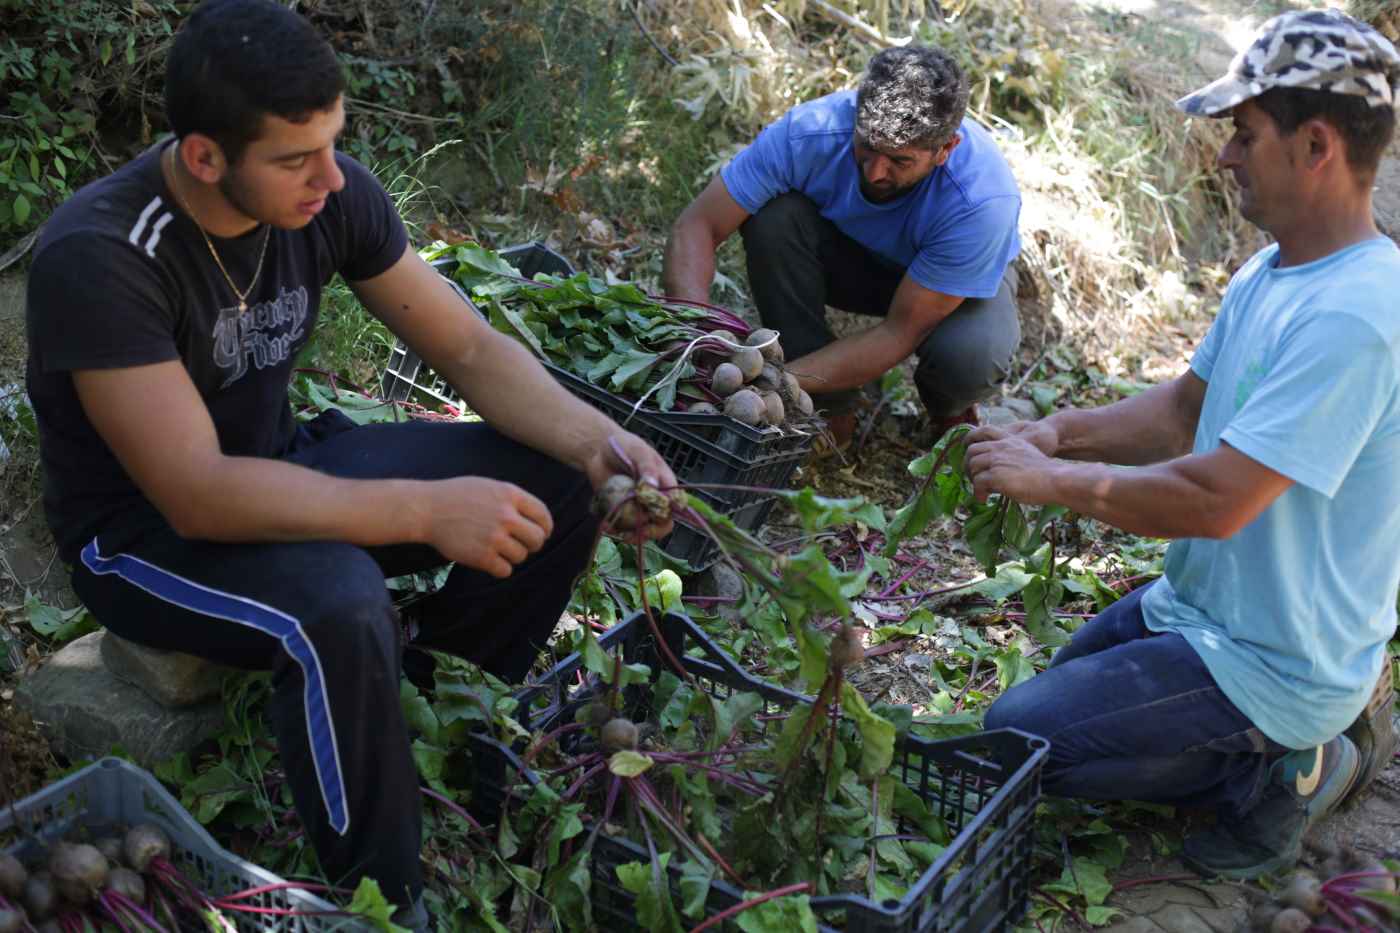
{"x": 122, "y": 277}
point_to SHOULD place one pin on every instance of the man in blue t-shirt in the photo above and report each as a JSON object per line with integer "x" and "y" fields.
{"x": 883, "y": 201}
{"x": 1253, "y": 676}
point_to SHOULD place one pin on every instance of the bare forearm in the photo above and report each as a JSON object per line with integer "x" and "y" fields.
{"x": 689, "y": 262}
{"x": 851, "y": 361}
{"x": 239, "y": 499}
{"x": 1165, "y": 500}
{"x": 505, "y": 384}
{"x": 1148, "y": 428}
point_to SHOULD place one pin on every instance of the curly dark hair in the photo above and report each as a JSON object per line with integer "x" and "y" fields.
{"x": 234, "y": 61}
{"x": 910, "y": 96}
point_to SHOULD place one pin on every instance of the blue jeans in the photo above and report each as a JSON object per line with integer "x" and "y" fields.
{"x": 1134, "y": 715}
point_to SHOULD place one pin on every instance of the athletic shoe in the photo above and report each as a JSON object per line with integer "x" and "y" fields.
{"x": 1303, "y": 787}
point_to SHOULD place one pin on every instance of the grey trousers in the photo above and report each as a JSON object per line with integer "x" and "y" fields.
{"x": 799, "y": 262}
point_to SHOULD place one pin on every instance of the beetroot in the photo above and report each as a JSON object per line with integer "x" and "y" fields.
{"x": 143, "y": 843}
{"x": 774, "y": 408}
{"x": 619, "y": 734}
{"x": 79, "y": 872}
{"x": 12, "y": 877}
{"x": 773, "y": 352}
{"x": 846, "y": 648}
{"x": 727, "y": 380}
{"x": 128, "y": 884}
{"x": 39, "y": 898}
{"x": 746, "y": 406}
{"x": 749, "y": 361}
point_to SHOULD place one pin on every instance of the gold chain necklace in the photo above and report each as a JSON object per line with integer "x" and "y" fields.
{"x": 267, "y": 231}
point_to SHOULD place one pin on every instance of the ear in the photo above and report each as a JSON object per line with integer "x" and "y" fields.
{"x": 203, "y": 158}
{"x": 942, "y": 155}
{"x": 1320, "y": 144}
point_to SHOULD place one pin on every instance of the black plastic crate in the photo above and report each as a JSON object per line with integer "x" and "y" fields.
{"x": 111, "y": 794}
{"x": 984, "y": 786}
{"x": 700, "y": 449}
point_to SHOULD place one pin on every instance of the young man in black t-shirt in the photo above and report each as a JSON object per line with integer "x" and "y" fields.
{"x": 166, "y": 305}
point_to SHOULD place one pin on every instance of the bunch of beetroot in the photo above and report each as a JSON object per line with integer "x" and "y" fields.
{"x": 750, "y": 379}
{"x": 116, "y": 879}
{"x": 1356, "y": 896}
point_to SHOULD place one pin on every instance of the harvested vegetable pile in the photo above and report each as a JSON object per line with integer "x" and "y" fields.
{"x": 666, "y": 354}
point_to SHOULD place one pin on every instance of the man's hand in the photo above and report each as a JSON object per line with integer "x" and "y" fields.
{"x": 626, "y": 453}
{"x": 1039, "y": 434}
{"x": 486, "y": 524}
{"x": 1011, "y": 464}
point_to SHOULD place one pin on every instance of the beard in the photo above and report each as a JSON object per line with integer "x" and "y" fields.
{"x": 882, "y": 195}
{"x": 238, "y": 196}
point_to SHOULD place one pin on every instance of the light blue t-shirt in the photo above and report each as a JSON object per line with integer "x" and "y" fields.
{"x": 955, "y": 232}
{"x": 1291, "y": 615}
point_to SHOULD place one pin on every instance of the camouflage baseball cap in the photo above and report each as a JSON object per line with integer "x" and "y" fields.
{"x": 1324, "y": 50}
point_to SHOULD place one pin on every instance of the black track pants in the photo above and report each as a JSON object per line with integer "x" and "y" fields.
{"x": 799, "y": 262}
{"x": 317, "y": 615}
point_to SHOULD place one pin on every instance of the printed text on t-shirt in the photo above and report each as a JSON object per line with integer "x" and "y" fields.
{"x": 237, "y": 337}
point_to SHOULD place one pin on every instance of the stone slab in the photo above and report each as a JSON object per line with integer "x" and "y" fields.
{"x": 170, "y": 678}
{"x": 84, "y": 710}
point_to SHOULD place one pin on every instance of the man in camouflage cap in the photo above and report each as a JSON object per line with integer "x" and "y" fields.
{"x": 1253, "y": 676}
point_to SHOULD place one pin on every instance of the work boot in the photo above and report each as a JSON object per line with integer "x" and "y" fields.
{"x": 1373, "y": 733}
{"x": 1303, "y": 787}
{"x": 939, "y": 426}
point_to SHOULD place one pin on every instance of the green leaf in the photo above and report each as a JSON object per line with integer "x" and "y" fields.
{"x": 819, "y": 512}
{"x": 1010, "y": 579}
{"x": 518, "y": 325}
{"x": 790, "y": 914}
{"x": 60, "y": 625}
{"x": 876, "y": 733}
{"x": 695, "y": 888}
{"x": 430, "y": 759}
{"x": 1012, "y": 668}
{"x": 595, "y": 658}
{"x": 629, "y": 764}
{"x": 507, "y": 842}
{"x": 1085, "y": 878}
{"x": 565, "y": 825}
{"x": 654, "y": 909}
{"x": 1040, "y": 598}
{"x": 418, "y": 712}
{"x": 1098, "y": 915}
{"x": 735, "y": 710}
{"x": 664, "y": 590}
{"x": 568, "y": 888}
{"x": 983, "y": 535}
{"x": 786, "y": 749}
{"x": 370, "y": 905}
{"x": 20, "y": 208}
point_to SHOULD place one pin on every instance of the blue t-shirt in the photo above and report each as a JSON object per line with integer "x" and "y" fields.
{"x": 955, "y": 232}
{"x": 1291, "y": 615}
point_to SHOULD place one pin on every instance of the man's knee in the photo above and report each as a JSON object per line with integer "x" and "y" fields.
{"x": 952, "y": 377}
{"x": 351, "y": 614}
{"x": 1009, "y": 712}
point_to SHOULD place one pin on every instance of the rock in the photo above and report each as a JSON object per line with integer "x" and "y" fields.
{"x": 1008, "y": 410}
{"x": 722, "y": 581}
{"x": 172, "y": 679}
{"x": 84, "y": 710}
